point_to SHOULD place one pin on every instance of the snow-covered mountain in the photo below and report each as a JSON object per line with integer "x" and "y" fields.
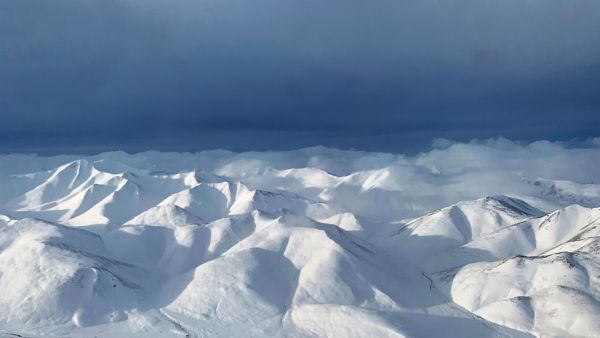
{"x": 310, "y": 243}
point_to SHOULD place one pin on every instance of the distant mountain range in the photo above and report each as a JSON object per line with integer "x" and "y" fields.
{"x": 310, "y": 243}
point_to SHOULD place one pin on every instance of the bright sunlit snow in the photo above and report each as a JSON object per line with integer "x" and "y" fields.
{"x": 485, "y": 239}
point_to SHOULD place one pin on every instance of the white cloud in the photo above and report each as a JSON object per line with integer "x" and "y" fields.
{"x": 392, "y": 186}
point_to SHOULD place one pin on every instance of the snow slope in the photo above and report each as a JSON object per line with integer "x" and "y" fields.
{"x": 314, "y": 242}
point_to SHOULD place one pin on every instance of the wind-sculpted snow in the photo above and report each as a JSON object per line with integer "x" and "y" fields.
{"x": 473, "y": 240}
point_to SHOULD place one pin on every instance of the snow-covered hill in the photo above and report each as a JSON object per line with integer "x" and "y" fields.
{"x": 310, "y": 243}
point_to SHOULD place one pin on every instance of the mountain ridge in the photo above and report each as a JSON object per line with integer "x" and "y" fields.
{"x": 264, "y": 244}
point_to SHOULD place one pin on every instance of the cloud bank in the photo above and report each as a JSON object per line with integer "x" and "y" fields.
{"x": 385, "y": 75}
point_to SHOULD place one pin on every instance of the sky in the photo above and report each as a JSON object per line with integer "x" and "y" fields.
{"x": 387, "y": 75}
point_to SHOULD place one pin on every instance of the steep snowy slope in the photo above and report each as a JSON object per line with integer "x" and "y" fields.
{"x": 532, "y": 275}
{"x": 568, "y": 192}
{"x": 291, "y": 272}
{"x": 55, "y": 278}
{"x": 539, "y": 284}
{"x": 553, "y": 295}
{"x": 457, "y": 225}
{"x": 310, "y": 243}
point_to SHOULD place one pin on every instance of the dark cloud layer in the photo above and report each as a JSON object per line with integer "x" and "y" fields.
{"x": 267, "y": 74}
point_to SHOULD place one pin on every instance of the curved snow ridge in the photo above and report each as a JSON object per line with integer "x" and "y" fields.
{"x": 288, "y": 263}
{"x": 172, "y": 251}
{"x": 587, "y": 195}
{"x": 570, "y": 229}
{"x": 212, "y": 201}
{"x": 542, "y": 235}
{"x": 291, "y": 271}
{"x": 531, "y": 276}
{"x": 539, "y": 294}
{"x": 64, "y": 182}
{"x": 78, "y": 193}
{"x": 457, "y": 225}
{"x": 166, "y": 215}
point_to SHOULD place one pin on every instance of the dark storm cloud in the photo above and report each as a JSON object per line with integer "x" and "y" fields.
{"x": 244, "y": 74}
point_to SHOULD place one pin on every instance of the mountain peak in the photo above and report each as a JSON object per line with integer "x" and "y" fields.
{"x": 511, "y": 204}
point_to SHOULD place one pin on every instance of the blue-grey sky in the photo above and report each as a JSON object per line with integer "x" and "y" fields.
{"x": 387, "y": 75}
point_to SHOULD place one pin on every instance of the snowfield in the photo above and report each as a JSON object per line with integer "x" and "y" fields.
{"x": 485, "y": 239}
